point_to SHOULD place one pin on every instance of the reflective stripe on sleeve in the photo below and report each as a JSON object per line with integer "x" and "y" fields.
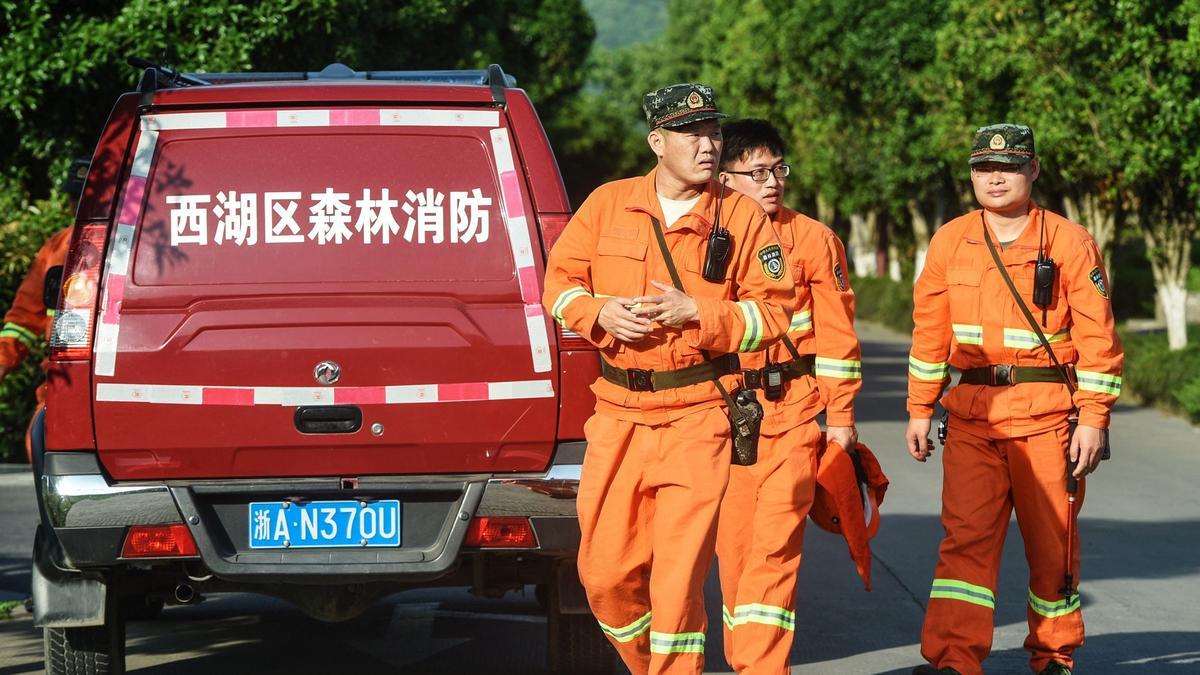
{"x": 924, "y": 370}
{"x": 954, "y": 589}
{"x": 21, "y": 333}
{"x": 1027, "y": 339}
{"x": 628, "y": 632}
{"x": 801, "y": 322}
{"x": 565, "y": 298}
{"x": 675, "y": 643}
{"x": 845, "y": 369}
{"x": 769, "y": 615}
{"x": 753, "y": 334}
{"x": 968, "y": 335}
{"x": 1099, "y": 382}
{"x": 1053, "y": 608}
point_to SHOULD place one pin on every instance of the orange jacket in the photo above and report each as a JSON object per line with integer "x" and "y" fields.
{"x": 966, "y": 317}
{"x": 28, "y": 321}
{"x": 609, "y": 249}
{"x": 850, "y": 489}
{"x": 823, "y": 325}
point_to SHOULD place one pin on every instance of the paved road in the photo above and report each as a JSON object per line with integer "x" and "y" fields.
{"x": 1141, "y": 581}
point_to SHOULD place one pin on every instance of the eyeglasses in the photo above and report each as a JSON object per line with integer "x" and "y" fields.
{"x": 760, "y": 175}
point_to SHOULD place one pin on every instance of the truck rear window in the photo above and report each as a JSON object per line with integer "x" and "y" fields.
{"x": 322, "y": 205}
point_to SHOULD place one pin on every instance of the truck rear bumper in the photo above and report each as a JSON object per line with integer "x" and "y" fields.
{"x": 89, "y": 517}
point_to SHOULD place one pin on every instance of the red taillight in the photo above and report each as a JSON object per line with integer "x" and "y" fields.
{"x": 552, "y": 225}
{"x": 572, "y": 342}
{"x": 501, "y": 533}
{"x": 158, "y": 541}
{"x": 71, "y": 337}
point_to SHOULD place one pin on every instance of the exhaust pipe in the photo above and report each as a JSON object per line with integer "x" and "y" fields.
{"x": 184, "y": 594}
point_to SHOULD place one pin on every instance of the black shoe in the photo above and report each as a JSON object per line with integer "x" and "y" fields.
{"x": 926, "y": 669}
{"x": 1055, "y": 668}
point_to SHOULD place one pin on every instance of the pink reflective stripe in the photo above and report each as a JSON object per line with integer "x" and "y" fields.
{"x": 354, "y": 118}
{"x": 530, "y": 292}
{"x": 131, "y": 200}
{"x": 112, "y": 299}
{"x": 176, "y": 394}
{"x": 533, "y": 311}
{"x": 228, "y": 396}
{"x": 471, "y": 391}
{"x": 251, "y": 118}
{"x": 511, "y": 187}
{"x": 360, "y": 395}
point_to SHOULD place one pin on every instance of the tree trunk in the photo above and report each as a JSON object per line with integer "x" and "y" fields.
{"x": 1168, "y": 235}
{"x": 1090, "y": 211}
{"x": 863, "y": 240}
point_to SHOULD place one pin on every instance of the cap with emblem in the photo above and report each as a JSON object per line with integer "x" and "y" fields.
{"x": 76, "y": 176}
{"x": 680, "y": 104}
{"x": 1008, "y": 143}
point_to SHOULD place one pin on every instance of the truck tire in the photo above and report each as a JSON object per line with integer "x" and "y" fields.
{"x": 87, "y": 650}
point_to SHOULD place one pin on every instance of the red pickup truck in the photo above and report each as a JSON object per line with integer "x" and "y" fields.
{"x": 299, "y": 350}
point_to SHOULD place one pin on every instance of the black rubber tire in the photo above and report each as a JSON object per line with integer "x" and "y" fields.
{"x": 91, "y": 650}
{"x": 575, "y": 644}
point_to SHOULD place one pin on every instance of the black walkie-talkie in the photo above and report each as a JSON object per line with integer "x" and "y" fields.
{"x": 1044, "y": 273}
{"x": 720, "y": 245}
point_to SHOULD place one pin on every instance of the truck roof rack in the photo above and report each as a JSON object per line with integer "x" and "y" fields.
{"x": 156, "y": 76}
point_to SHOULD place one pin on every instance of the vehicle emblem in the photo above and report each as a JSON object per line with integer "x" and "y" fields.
{"x": 327, "y": 372}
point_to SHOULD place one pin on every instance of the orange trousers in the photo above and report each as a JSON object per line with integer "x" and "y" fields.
{"x": 985, "y": 479}
{"x": 648, "y": 502}
{"x": 759, "y": 538}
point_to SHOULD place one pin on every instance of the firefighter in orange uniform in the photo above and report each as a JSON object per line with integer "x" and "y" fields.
{"x": 659, "y": 443}
{"x": 28, "y": 320}
{"x": 1010, "y": 440}
{"x": 762, "y": 516}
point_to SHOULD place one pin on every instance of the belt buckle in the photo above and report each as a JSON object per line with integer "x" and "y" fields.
{"x": 753, "y": 378}
{"x": 1002, "y": 375}
{"x": 641, "y": 380}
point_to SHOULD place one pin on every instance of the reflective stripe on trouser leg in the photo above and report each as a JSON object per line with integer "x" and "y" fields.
{"x": 759, "y": 549}
{"x": 975, "y": 511}
{"x": 687, "y": 470}
{"x": 1055, "y": 625}
{"x": 614, "y": 547}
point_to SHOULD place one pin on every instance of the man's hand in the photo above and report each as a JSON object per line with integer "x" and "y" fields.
{"x": 673, "y": 308}
{"x": 917, "y": 436}
{"x": 846, "y": 437}
{"x": 1087, "y": 445}
{"x": 621, "y": 323}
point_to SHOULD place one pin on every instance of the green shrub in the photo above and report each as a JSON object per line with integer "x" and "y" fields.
{"x": 1155, "y": 375}
{"x": 884, "y": 301}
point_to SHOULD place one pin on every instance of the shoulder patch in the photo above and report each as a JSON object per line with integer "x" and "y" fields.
{"x": 1097, "y": 279}
{"x": 839, "y": 277}
{"x": 771, "y": 257}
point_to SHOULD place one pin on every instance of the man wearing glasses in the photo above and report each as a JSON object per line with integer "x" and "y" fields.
{"x": 1022, "y": 428}
{"x": 762, "y": 515}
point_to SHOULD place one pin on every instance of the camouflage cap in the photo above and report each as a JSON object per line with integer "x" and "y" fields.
{"x": 1007, "y": 143}
{"x": 76, "y": 176}
{"x": 680, "y": 104}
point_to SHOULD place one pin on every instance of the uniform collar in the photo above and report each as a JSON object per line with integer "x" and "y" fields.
{"x": 1025, "y": 247}
{"x": 644, "y": 198}
{"x": 782, "y": 224}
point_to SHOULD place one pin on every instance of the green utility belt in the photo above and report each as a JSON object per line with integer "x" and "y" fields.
{"x": 1004, "y": 375}
{"x": 791, "y": 370}
{"x": 636, "y": 379}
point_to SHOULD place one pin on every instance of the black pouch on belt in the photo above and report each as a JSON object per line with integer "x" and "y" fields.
{"x": 745, "y": 412}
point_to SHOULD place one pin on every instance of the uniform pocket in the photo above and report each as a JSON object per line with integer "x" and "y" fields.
{"x": 620, "y": 267}
{"x": 693, "y": 266}
{"x": 962, "y": 285}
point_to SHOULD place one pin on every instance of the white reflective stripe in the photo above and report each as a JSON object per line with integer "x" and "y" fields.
{"x": 924, "y": 370}
{"x": 176, "y": 394}
{"x": 968, "y": 334}
{"x": 1027, "y": 339}
{"x": 173, "y": 121}
{"x": 108, "y": 327}
{"x": 752, "y": 335}
{"x": 801, "y": 321}
{"x": 122, "y": 246}
{"x": 1098, "y": 382}
{"x": 841, "y": 368}
{"x": 539, "y": 338}
{"x": 302, "y": 118}
{"x": 143, "y": 156}
{"x": 439, "y": 118}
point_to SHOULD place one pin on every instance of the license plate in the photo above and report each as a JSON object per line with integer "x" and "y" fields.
{"x": 341, "y": 524}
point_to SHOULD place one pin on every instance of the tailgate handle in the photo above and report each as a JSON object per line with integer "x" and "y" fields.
{"x": 328, "y": 419}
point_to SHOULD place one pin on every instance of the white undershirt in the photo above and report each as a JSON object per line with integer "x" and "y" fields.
{"x": 674, "y": 209}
